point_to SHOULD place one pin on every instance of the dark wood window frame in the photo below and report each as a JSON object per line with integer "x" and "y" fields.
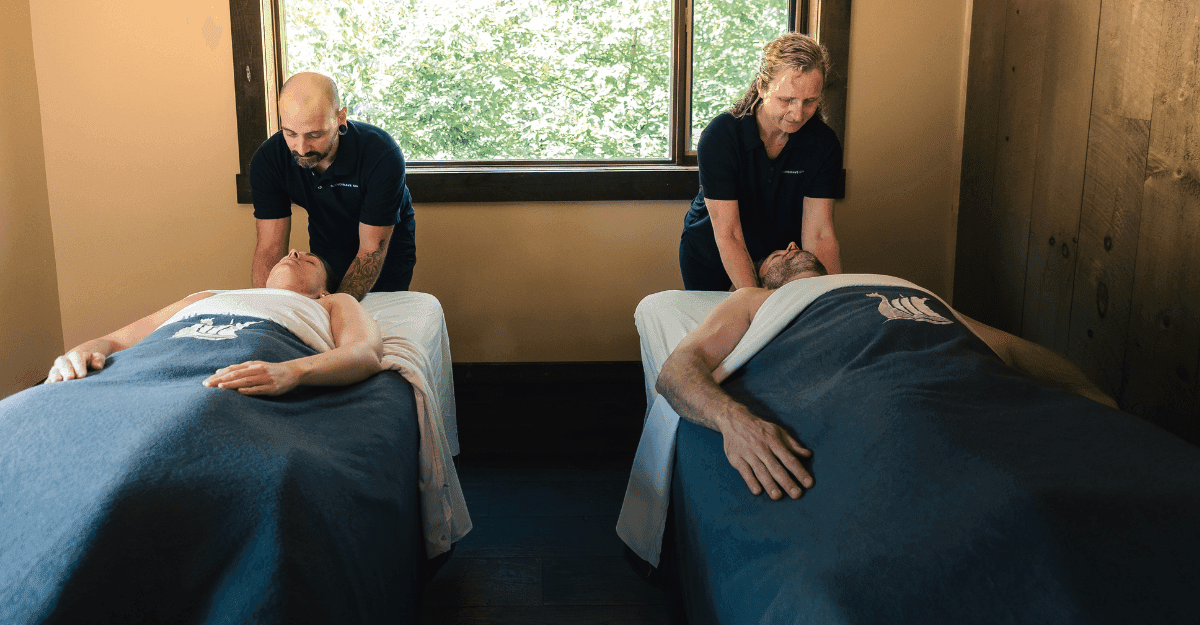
{"x": 258, "y": 71}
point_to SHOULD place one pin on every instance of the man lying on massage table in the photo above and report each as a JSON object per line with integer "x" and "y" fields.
{"x": 354, "y": 358}
{"x": 765, "y": 455}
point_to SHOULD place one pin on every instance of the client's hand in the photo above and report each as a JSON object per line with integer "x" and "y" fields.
{"x": 75, "y": 364}
{"x": 765, "y": 454}
{"x": 255, "y": 378}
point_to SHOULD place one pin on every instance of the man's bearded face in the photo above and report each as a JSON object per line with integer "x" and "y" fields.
{"x": 783, "y": 265}
{"x": 312, "y": 157}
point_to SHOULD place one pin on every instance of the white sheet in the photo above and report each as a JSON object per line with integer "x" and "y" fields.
{"x": 415, "y": 344}
{"x": 663, "y": 319}
{"x": 418, "y": 318}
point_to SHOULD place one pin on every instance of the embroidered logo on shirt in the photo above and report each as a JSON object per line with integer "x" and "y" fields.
{"x": 205, "y": 330}
{"x": 343, "y": 184}
{"x": 911, "y": 308}
{"x": 793, "y": 171}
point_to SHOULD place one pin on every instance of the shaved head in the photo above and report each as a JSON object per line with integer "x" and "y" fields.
{"x": 310, "y": 90}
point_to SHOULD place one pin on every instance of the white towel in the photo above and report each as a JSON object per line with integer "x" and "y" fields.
{"x": 300, "y": 314}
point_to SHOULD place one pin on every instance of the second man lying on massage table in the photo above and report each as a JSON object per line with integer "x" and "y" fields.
{"x": 765, "y": 454}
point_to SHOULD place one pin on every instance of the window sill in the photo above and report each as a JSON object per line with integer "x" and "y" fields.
{"x": 541, "y": 184}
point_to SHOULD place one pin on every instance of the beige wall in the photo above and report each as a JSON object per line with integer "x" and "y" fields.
{"x": 30, "y": 330}
{"x": 546, "y": 282}
{"x": 140, "y": 141}
{"x": 904, "y": 116}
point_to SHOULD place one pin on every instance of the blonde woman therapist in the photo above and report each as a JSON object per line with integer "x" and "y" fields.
{"x": 769, "y": 170}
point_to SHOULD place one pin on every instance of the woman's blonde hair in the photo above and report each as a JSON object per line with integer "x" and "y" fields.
{"x": 791, "y": 51}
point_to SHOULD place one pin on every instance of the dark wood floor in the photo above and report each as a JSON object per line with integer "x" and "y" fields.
{"x": 544, "y": 463}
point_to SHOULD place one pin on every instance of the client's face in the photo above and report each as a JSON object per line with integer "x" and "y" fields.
{"x": 301, "y": 272}
{"x": 781, "y": 266}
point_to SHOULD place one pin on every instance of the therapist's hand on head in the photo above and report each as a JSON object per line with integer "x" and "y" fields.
{"x": 75, "y": 364}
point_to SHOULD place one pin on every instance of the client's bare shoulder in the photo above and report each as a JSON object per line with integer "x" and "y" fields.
{"x": 726, "y": 324}
{"x": 747, "y": 301}
{"x": 338, "y": 300}
{"x": 351, "y": 323}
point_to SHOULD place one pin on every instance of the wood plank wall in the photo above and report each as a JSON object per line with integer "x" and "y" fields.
{"x": 1079, "y": 221}
{"x": 832, "y": 29}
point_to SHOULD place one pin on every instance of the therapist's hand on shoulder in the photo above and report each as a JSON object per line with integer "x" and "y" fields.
{"x": 731, "y": 242}
{"x": 817, "y": 233}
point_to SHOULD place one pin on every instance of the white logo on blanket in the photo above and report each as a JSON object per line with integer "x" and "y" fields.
{"x": 912, "y": 308}
{"x": 207, "y": 331}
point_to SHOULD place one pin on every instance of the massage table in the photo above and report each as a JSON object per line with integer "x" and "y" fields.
{"x": 947, "y": 487}
{"x": 138, "y": 495}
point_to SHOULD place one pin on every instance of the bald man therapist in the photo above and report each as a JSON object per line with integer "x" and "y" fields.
{"x": 348, "y": 176}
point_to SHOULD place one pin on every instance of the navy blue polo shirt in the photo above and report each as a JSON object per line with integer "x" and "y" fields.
{"x": 365, "y": 184}
{"x": 770, "y": 193}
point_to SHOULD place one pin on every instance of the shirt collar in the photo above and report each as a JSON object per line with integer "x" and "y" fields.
{"x": 752, "y": 140}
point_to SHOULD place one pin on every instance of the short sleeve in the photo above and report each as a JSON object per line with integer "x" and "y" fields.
{"x": 383, "y": 175}
{"x": 271, "y": 200}
{"x": 716, "y": 155}
{"x": 828, "y": 183}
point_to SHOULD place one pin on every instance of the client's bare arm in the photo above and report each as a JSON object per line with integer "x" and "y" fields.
{"x": 762, "y": 452}
{"x": 1039, "y": 363}
{"x": 90, "y": 355}
{"x": 355, "y": 357}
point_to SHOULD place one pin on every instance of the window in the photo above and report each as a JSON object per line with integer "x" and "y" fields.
{"x": 496, "y": 80}
{"x": 515, "y": 100}
{"x": 727, "y": 41}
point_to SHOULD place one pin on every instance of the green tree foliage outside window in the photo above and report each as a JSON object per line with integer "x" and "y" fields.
{"x": 727, "y": 44}
{"x": 487, "y": 80}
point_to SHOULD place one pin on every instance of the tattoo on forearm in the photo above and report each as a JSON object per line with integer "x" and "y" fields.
{"x": 363, "y": 272}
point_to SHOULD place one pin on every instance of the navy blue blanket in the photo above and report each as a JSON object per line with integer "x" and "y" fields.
{"x": 137, "y": 495}
{"x": 948, "y": 489}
